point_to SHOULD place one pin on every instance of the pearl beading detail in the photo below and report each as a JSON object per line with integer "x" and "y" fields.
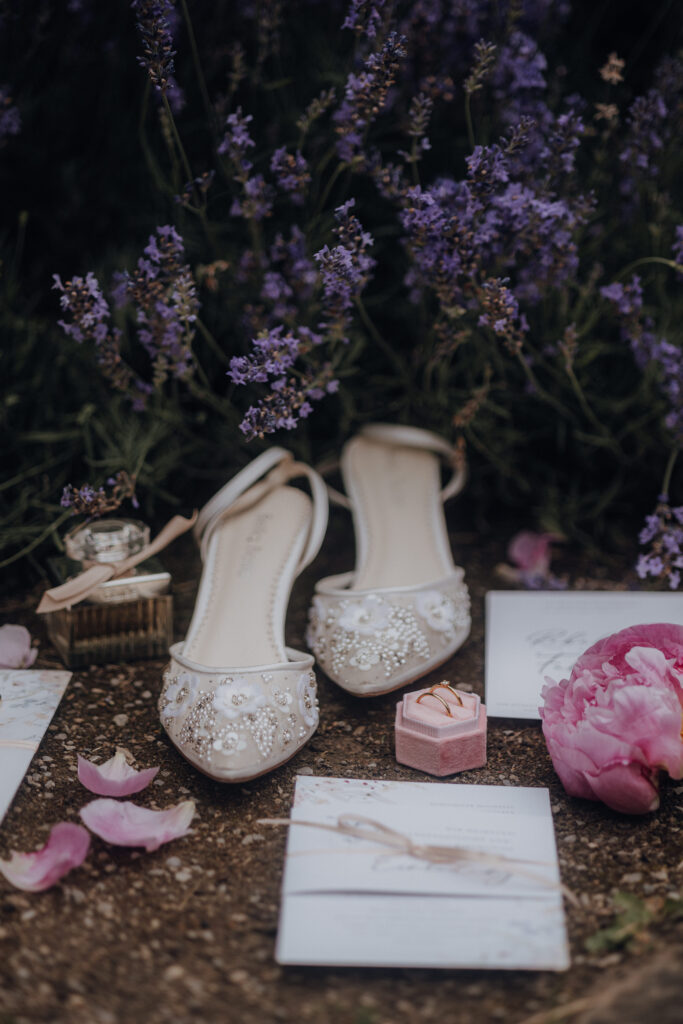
{"x": 238, "y": 721}
{"x": 385, "y": 634}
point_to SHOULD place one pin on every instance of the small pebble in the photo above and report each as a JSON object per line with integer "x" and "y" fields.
{"x": 120, "y": 720}
{"x": 174, "y": 972}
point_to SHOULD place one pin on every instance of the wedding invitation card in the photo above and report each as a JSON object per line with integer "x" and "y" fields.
{"x": 533, "y": 634}
{"x": 382, "y": 901}
{"x": 28, "y": 700}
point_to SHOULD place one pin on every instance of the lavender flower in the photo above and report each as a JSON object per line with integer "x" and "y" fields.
{"x": 418, "y": 119}
{"x": 500, "y": 312}
{"x": 663, "y": 531}
{"x": 287, "y": 404}
{"x": 10, "y": 119}
{"x": 484, "y": 60}
{"x": 288, "y": 401}
{"x": 292, "y": 174}
{"x": 647, "y": 347}
{"x": 154, "y": 19}
{"x": 94, "y": 501}
{"x": 315, "y": 109}
{"x": 498, "y": 221}
{"x": 365, "y": 95}
{"x": 677, "y": 247}
{"x": 345, "y": 269}
{"x": 364, "y": 17}
{"x": 164, "y": 293}
{"x": 196, "y": 190}
{"x": 646, "y": 121}
{"x": 89, "y": 312}
{"x": 237, "y": 141}
{"x": 257, "y": 199}
{"x": 272, "y": 356}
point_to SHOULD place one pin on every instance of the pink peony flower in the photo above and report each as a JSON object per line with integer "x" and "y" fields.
{"x": 115, "y": 777}
{"x": 616, "y": 722}
{"x": 125, "y": 824}
{"x": 15, "y": 647}
{"x": 66, "y": 848}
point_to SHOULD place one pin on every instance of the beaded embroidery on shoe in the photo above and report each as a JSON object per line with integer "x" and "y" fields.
{"x": 229, "y": 722}
{"x": 376, "y": 640}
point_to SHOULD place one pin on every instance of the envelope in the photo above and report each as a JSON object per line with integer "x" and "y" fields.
{"x": 29, "y": 700}
{"x": 349, "y": 901}
{"x": 530, "y": 635}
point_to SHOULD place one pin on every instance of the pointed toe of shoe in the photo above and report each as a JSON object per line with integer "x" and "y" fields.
{"x": 237, "y": 724}
{"x": 373, "y": 642}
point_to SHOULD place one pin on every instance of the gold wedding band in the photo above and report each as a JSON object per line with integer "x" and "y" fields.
{"x": 447, "y": 686}
{"x": 430, "y": 693}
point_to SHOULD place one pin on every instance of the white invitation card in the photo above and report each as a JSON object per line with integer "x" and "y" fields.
{"x": 533, "y": 634}
{"x": 350, "y": 901}
{"x": 28, "y": 700}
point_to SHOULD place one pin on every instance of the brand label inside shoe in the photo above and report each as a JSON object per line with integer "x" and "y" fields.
{"x": 253, "y": 543}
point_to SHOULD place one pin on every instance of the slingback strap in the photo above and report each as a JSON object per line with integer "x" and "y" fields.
{"x": 271, "y": 469}
{"x": 78, "y": 588}
{"x": 410, "y": 437}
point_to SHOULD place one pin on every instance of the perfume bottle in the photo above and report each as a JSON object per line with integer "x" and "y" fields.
{"x": 124, "y": 619}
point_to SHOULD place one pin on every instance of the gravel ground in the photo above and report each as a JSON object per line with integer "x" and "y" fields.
{"x": 187, "y": 933}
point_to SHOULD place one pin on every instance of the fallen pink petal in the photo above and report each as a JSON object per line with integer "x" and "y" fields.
{"x": 115, "y": 777}
{"x": 126, "y": 824}
{"x": 530, "y": 552}
{"x": 15, "y": 647}
{"x": 66, "y": 848}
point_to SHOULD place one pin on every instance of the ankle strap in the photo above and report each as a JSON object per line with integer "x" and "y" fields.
{"x": 398, "y": 435}
{"x": 271, "y": 469}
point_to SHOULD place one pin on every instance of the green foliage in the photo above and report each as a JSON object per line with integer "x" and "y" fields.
{"x": 633, "y": 922}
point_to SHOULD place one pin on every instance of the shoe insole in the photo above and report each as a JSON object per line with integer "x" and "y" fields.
{"x": 249, "y": 569}
{"x": 401, "y": 533}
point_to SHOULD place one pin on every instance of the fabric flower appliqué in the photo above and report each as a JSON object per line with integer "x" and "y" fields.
{"x": 236, "y": 697}
{"x": 307, "y": 695}
{"x": 180, "y": 694}
{"x": 368, "y": 616}
{"x": 438, "y": 610}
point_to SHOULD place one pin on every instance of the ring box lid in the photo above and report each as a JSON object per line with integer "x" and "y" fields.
{"x": 430, "y": 718}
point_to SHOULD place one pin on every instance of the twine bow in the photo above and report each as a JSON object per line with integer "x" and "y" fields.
{"x": 387, "y": 838}
{"x": 78, "y": 588}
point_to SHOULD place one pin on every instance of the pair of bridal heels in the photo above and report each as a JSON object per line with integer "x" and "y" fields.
{"x": 236, "y": 701}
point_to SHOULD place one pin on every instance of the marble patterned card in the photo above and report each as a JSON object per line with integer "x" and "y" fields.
{"x": 30, "y": 698}
{"x": 349, "y": 901}
{"x": 533, "y": 634}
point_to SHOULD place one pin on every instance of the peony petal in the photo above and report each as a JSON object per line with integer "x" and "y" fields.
{"x": 530, "y": 552}
{"x": 66, "y": 848}
{"x": 665, "y": 636}
{"x": 15, "y": 647}
{"x": 627, "y": 788}
{"x": 126, "y": 824}
{"x": 115, "y": 777}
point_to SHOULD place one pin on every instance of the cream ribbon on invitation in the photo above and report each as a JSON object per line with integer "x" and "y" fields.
{"x": 389, "y": 839}
{"x": 78, "y": 588}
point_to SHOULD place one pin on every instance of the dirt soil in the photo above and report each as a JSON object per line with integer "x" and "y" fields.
{"x": 187, "y": 933}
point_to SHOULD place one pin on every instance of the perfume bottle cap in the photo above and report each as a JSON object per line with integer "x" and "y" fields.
{"x": 107, "y": 540}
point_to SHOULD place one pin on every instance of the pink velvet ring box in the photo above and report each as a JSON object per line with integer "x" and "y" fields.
{"x": 430, "y": 739}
